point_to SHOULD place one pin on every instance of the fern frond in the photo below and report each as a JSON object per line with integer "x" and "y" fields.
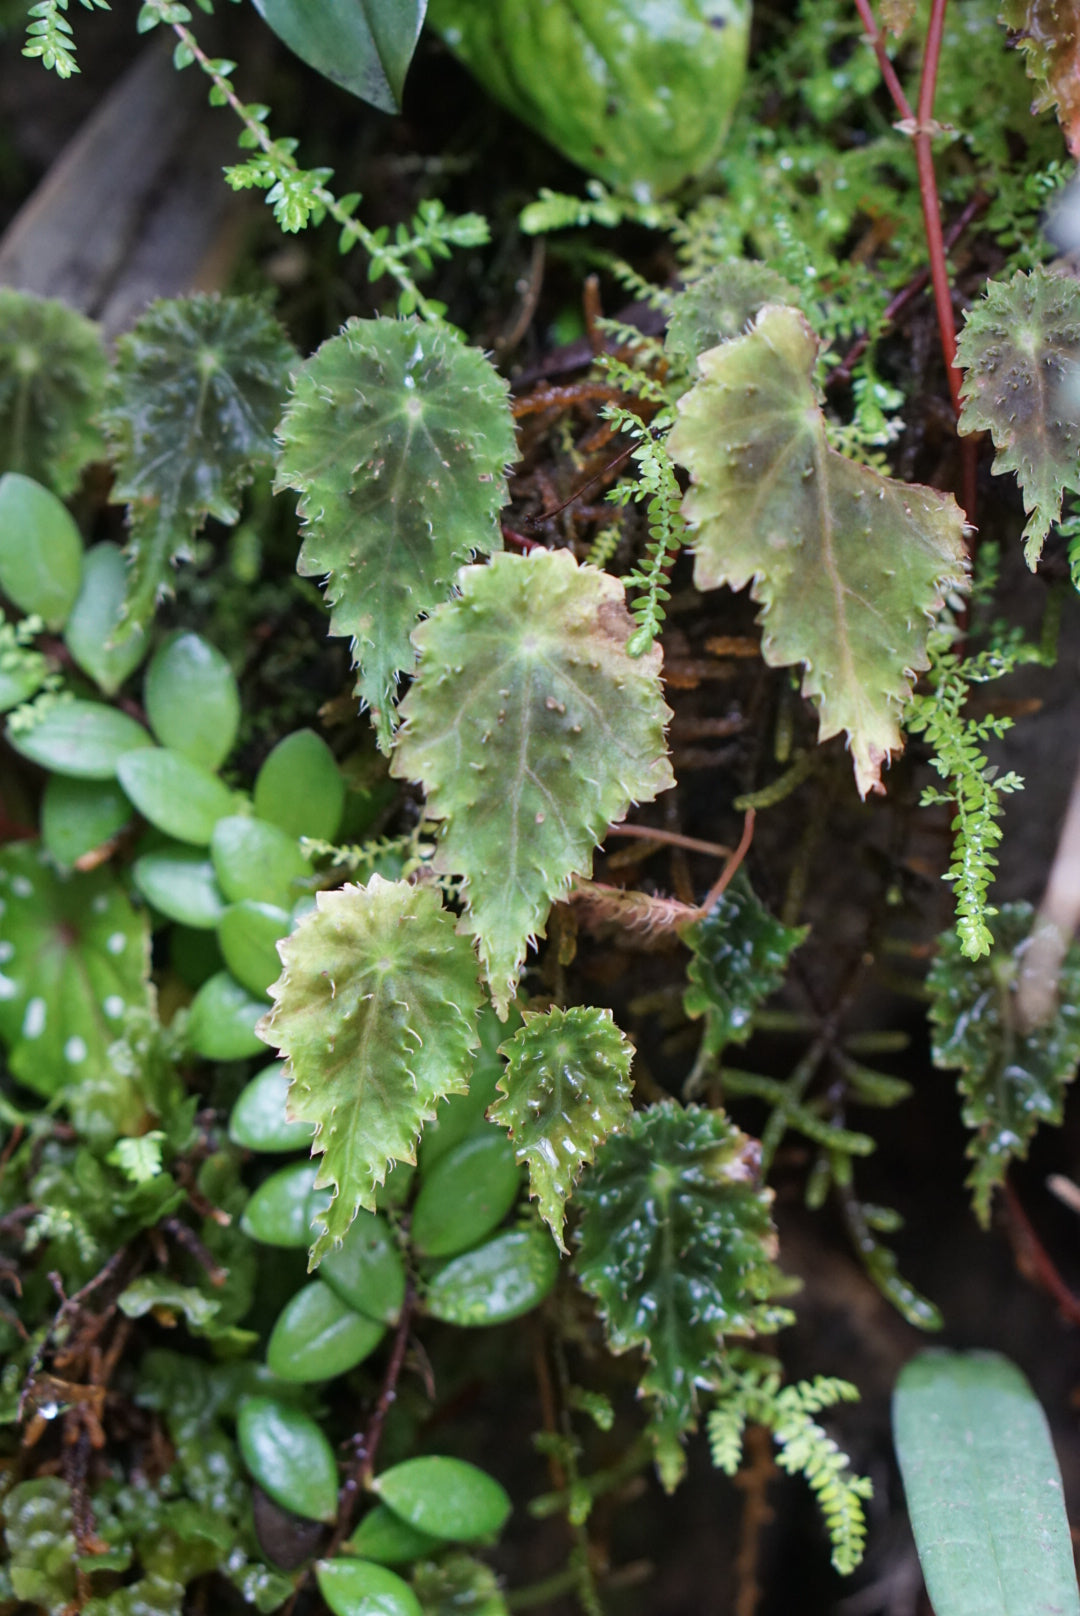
{"x": 657, "y": 487}
{"x": 49, "y": 35}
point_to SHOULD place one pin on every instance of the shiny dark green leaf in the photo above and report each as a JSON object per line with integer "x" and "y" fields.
{"x": 180, "y": 882}
{"x": 95, "y": 616}
{"x": 222, "y": 1020}
{"x": 500, "y": 1280}
{"x": 447, "y": 1498}
{"x": 258, "y": 1120}
{"x": 289, "y": 1457}
{"x": 80, "y": 815}
{"x": 173, "y": 794}
{"x": 300, "y": 787}
{"x": 82, "y": 739}
{"x": 465, "y": 1195}
{"x": 463, "y": 1114}
{"x": 363, "y": 1588}
{"x": 258, "y": 861}
{"x": 41, "y": 550}
{"x": 385, "y": 1537}
{"x": 278, "y": 1214}
{"x": 740, "y": 954}
{"x": 366, "y": 1270}
{"x": 365, "y": 46}
{"x": 192, "y": 700}
{"x": 248, "y": 934}
{"x": 318, "y": 1336}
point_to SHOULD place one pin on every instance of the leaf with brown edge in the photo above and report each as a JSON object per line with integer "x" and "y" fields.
{"x": 1048, "y": 33}
{"x": 849, "y": 567}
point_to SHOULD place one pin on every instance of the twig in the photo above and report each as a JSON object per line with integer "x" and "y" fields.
{"x": 888, "y": 72}
{"x": 1033, "y": 1259}
{"x": 727, "y": 874}
{"x": 753, "y": 1479}
{"x": 670, "y": 838}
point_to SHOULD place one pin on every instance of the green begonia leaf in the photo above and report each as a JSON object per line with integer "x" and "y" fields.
{"x": 248, "y": 934}
{"x": 318, "y": 1336}
{"x": 173, "y": 794}
{"x": 222, "y": 1021}
{"x": 363, "y": 1588}
{"x": 1020, "y": 352}
{"x": 192, "y": 700}
{"x": 983, "y": 1488}
{"x": 739, "y": 954}
{"x": 74, "y": 961}
{"x": 41, "y": 1543}
{"x": 1010, "y": 1079}
{"x": 465, "y": 1195}
{"x": 289, "y": 1457}
{"x": 279, "y": 1213}
{"x": 52, "y": 370}
{"x": 84, "y": 740}
{"x": 677, "y": 1246}
{"x": 180, "y": 882}
{"x": 193, "y": 399}
{"x": 300, "y": 787}
{"x": 367, "y": 1272}
{"x": 447, "y": 1498}
{"x": 720, "y": 305}
{"x": 95, "y": 618}
{"x": 258, "y": 1120}
{"x": 531, "y": 731}
{"x": 384, "y": 1537}
{"x": 498, "y": 1281}
{"x": 375, "y": 1011}
{"x": 565, "y": 1088}
{"x": 849, "y": 567}
{"x": 363, "y": 45}
{"x": 78, "y": 816}
{"x": 463, "y": 1114}
{"x": 41, "y": 552}
{"x": 257, "y": 861}
{"x": 396, "y": 439}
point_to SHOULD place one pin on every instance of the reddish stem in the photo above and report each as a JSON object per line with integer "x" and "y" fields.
{"x": 720, "y": 886}
{"x": 888, "y": 71}
{"x": 935, "y": 241}
{"x": 1033, "y": 1259}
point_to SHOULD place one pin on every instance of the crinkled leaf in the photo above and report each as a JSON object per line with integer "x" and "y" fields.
{"x": 52, "y": 371}
{"x": 1010, "y": 1079}
{"x": 41, "y": 1544}
{"x": 375, "y": 1011}
{"x": 739, "y": 954}
{"x": 74, "y": 961}
{"x": 396, "y": 439}
{"x": 363, "y": 45}
{"x": 721, "y": 305}
{"x": 565, "y": 1088}
{"x": 677, "y": 1245}
{"x": 532, "y": 731}
{"x": 1048, "y": 32}
{"x": 166, "y": 1298}
{"x": 193, "y": 400}
{"x": 1020, "y": 352}
{"x": 849, "y": 567}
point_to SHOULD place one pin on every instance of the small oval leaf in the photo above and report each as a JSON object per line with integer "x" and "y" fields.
{"x": 84, "y": 740}
{"x": 192, "y": 700}
{"x": 366, "y": 1270}
{"x": 180, "y": 882}
{"x": 40, "y": 550}
{"x": 278, "y": 1213}
{"x": 175, "y": 795}
{"x": 248, "y": 933}
{"x": 318, "y": 1336}
{"x": 498, "y": 1281}
{"x": 300, "y": 787}
{"x": 96, "y": 614}
{"x": 258, "y": 1120}
{"x": 256, "y": 860}
{"x": 446, "y": 1497}
{"x": 221, "y": 1022}
{"x": 289, "y": 1457}
{"x": 80, "y": 815}
{"x": 385, "y": 1537}
{"x": 362, "y": 1588}
{"x": 466, "y": 1194}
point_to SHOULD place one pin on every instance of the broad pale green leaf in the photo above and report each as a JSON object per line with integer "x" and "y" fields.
{"x": 677, "y": 1245}
{"x": 192, "y": 700}
{"x": 222, "y": 1020}
{"x": 318, "y": 1336}
{"x": 300, "y": 787}
{"x": 258, "y": 1120}
{"x": 74, "y": 961}
{"x": 84, "y": 740}
{"x": 41, "y": 550}
{"x": 40, "y": 1542}
{"x": 566, "y": 1087}
{"x": 367, "y": 1272}
{"x": 386, "y": 1538}
{"x": 248, "y": 935}
{"x": 78, "y": 816}
{"x": 447, "y": 1498}
{"x": 278, "y": 1213}
{"x": 498, "y": 1281}
{"x": 396, "y": 439}
{"x": 983, "y": 1488}
{"x": 289, "y": 1457}
{"x": 257, "y": 861}
{"x": 458, "y": 1585}
{"x": 375, "y": 1012}
{"x": 465, "y": 1195}
{"x": 531, "y": 731}
{"x": 180, "y": 882}
{"x": 52, "y": 371}
{"x": 721, "y": 305}
{"x": 173, "y": 794}
{"x": 739, "y": 956}
{"x": 1020, "y": 353}
{"x": 193, "y": 400}
{"x": 1010, "y": 1079}
{"x": 91, "y": 629}
{"x": 849, "y": 567}
{"x": 363, "y": 1588}
{"x": 363, "y": 45}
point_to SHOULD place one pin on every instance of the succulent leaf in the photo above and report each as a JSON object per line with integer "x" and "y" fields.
{"x": 52, "y": 370}
{"x": 739, "y": 956}
{"x": 375, "y": 1011}
{"x": 532, "y": 731}
{"x": 849, "y": 567}
{"x": 565, "y": 1088}
{"x": 396, "y": 438}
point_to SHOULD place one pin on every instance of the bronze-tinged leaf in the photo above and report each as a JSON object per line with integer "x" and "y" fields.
{"x": 1048, "y": 33}
{"x": 897, "y": 15}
